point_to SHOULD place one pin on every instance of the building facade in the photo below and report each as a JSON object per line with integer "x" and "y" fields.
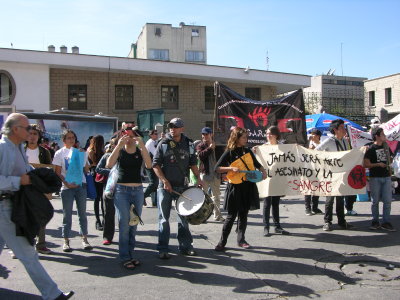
{"x": 338, "y": 95}
{"x": 120, "y": 87}
{"x": 383, "y": 96}
{"x": 186, "y": 43}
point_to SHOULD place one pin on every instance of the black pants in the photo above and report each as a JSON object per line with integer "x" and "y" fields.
{"x": 339, "y": 209}
{"x": 308, "y": 199}
{"x": 349, "y": 201}
{"x": 109, "y": 219}
{"x": 274, "y": 202}
{"x": 241, "y": 226}
{"x": 98, "y": 202}
{"x": 151, "y": 189}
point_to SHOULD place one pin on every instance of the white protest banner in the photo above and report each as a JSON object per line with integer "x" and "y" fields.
{"x": 295, "y": 170}
{"x": 392, "y": 129}
{"x": 358, "y": 138}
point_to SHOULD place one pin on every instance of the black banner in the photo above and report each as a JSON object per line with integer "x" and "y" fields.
{"x": 232, "y": 109}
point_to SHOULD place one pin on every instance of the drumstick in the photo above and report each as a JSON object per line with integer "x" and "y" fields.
{"x": 182, "y": 195}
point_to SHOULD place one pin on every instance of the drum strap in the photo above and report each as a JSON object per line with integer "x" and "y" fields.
{"x": 244, "y": 164}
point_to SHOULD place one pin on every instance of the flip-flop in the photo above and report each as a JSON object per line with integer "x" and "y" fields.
{"x": 136, "y": 262}
{"x": 129, "y": 265}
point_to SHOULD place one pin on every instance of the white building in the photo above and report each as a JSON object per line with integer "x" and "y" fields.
{"x": 383, "y": 95}
{"x": 186, "y": 43}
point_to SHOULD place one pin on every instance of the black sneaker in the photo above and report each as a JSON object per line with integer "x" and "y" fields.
{"x": 317, "y": 212}
{"x": 388, "y": 227}
{"x": 266, "y": 231}
{"x": 308, "y": 212}
{"x": 375, "y": 225}
{"x": 280, "y": 230}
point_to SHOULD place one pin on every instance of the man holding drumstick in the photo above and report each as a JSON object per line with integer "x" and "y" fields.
{"x": 173, "y": 158}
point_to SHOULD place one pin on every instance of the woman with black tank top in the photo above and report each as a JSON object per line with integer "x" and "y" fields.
{"x": 129, "y": 155}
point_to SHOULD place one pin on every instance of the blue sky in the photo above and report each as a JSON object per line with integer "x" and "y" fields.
{"x": 355, "y": 37}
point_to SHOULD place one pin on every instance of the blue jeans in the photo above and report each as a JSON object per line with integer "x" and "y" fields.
{"x": 67, "y": 198}
{"x": 164, "y": 205}
{"x": 25, "y": 253}
{"x": 123, "y": 198}
{"x": 381, "y": 190}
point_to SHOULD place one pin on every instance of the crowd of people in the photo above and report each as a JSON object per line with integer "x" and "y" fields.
{"x": 117, "y": 165}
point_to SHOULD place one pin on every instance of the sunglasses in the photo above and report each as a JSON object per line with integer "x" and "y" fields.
{"x": 27, "y": 128}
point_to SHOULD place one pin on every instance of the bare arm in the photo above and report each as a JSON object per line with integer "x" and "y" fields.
{"x": 161, "y": 176}
{"x": 368, "y": 164}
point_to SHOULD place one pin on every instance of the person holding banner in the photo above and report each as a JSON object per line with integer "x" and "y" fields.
{"x": 129, "y": 154}
{"x": 337, "y": 142}
{"x": 70, "y": 165}
{"x": 241, "y": 195}
{"x": 314, "y": 141}
{"x": 377, "y": 160}
{"x": 273, "y": 136}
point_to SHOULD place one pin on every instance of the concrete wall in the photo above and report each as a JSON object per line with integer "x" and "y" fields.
{"x": 176, "y": 39}
{"x": 32, "y": 86}
{"x": 379, "y": 85}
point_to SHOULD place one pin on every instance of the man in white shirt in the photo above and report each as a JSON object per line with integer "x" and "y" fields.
{"x": 335, "y": 143}
{"x": 151, "y": 189}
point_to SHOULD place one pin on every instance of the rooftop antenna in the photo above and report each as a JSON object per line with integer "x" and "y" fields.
{"x": 329, "y": 72}
{"x": 267, "y": 61}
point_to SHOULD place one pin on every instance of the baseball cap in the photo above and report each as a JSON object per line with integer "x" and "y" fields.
{"x": 206, "y": 130}
{"x": 175, "y": 122}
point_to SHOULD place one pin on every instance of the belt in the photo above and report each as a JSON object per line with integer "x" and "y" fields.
{"x": 5, "y": 196}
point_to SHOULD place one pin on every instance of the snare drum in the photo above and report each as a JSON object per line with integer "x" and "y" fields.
{"x": 196, "y": 210}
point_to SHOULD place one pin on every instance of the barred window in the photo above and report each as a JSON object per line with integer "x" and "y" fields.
{"x": 209, "y": 98}
{"x": 124, "y": 97}
{"x": 77, "y": 97}
{"x": 253, "y": 93}
{"x": 169, "y": 97}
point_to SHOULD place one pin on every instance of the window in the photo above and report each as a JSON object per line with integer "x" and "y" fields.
{"x": 7, "y": 88}
{"x": 195, "y": 32}
{"x": 371, "y": 98}
{"x": 195, "y": 56}
{"x": 209, "y": 98}
{"x": 358, "y": 83}
{"x": 388, "y": 96}
{"x": 169, "y": 97}
{"x": 341, "y": 82}
{"x": 157, "y": 31}
{"x": 159, "y": 54}
{"x": 253, "y": 93}
{"x": 328, "y": 81}
{"x": 77, "y": 97}
{"x": 123, "y": 97}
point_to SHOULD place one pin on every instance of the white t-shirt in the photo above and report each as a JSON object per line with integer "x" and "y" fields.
{"x": 33, "y": 155}
{"x": 151, "y": 146}
{"x": 62, "y": 158}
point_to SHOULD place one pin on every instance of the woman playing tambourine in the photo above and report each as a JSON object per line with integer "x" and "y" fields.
{"x": 241, "y": 195}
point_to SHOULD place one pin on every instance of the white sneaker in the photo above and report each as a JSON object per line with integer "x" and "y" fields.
{"x": 351, "y": 212}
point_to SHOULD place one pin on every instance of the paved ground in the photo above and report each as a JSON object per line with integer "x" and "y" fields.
{"x": 309, "y": 263}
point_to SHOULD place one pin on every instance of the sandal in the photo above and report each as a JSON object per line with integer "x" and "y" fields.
{"x": 136, "y": 262}
{"x": 129, "y": 265}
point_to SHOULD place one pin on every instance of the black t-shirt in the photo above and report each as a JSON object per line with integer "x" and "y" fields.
{"x": 377, "y": 154}
{"x": 129, "y": 167}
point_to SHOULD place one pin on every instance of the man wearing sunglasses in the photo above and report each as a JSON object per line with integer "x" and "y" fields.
{"x": 14, "y": 167}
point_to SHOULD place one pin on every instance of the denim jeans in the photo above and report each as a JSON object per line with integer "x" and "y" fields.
{"x": 164, "y": 205}
{"x": 67, "y": 198}
{"x": 381, "y": 190}
{"x": 25, "y": 253}
{"x": 123, "y": 198}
